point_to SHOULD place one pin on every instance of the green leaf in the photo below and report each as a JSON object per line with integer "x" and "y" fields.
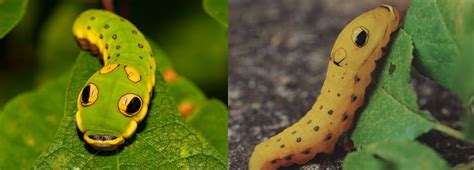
{"x": 29, "y": 122}
{"x": 11, "y": 12}
{"x": 434, "y": 26}
{"x": 166, "y": 141}
{"x": 361, "y": 160}
{"x": 391, "y": 112}
{"x": 217, "y": 9}
{"x": 402, "y": 155}
{"x": 216, "y": 132}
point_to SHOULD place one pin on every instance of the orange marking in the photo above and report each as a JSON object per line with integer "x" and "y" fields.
{"x": 170, "y": 75}
{"x": 186, "y": 108}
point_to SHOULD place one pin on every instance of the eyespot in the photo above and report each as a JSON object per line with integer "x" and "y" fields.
{"x": 89, "y": 94}
{"x": 360, "y": 36}
{"x": 130, "y": 104}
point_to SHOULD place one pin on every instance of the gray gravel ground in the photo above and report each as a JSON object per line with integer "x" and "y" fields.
{"x": 278, "y": 58}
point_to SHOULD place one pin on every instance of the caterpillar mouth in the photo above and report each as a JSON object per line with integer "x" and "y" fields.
{"x": 104, "y": 142}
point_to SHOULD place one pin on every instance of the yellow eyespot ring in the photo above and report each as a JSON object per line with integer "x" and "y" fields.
{"x": 130, "y": 104}
{"x": 89, "y": 94}
{"x": 360, "y": 35}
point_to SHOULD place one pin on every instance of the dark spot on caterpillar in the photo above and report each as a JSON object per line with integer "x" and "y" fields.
{"x": 294, "y": 132}
{"x": 298, "y": 140}
{"x": 345, "y": 64}
{"x": 134, "y": 32}
{"x": 118, "y": 55}
{"x": 150, "y": 67}
{"x": 118, "y": 47}
{"x": 328, "y": 137}
{"x": 106, "y": 26}
{"x": 101, "y": 36}
{"x": 321, "y": 107}
{"x": 88, "y": 27}
{"x": 309, "y": 121}
{"x": 338, "y": 94}
{"x": 391, "y": 69}
{"x": 344, "y": 117}
{"x": 141, "y": 57}
{"x": 307, "y": 151}
{"x": 151, "y": 54}
{"x": 114, "y": 36}
{"x": 274, "y": 161}
{"x": 108, "y": 57}
{"x": 279, "y": 139}
{"x": 316, "y": 128}
{"x": 140, "y": 45}
{"x": 330, "y": 111}
{"x": 282, "y": 146}
{"x": 92, "y": 18}
{"x": 329, "y": 91}
{"x": 353, "y": 98}
{"x": 106, "y": 46}
{"x": 288, "y": 157}
{"x": 357, "y": 78}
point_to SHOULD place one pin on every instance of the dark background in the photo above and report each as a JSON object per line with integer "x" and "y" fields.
{"x": 278, "y": 58}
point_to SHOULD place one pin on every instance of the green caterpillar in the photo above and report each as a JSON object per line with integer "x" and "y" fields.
{"x": 116, "y": 98}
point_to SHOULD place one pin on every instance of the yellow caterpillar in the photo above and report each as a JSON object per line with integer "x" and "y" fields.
{"x": 352, "y": 61}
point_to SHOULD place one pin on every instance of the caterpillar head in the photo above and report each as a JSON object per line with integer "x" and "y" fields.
{"x": 111, "y": 104}
{"x": 363, "y": 36}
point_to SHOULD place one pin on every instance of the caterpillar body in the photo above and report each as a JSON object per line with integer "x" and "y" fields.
{"x": 352, "y": 60}
{"x": 115, "y": 98}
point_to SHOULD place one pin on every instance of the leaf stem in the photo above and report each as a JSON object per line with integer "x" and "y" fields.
{"x": 451, "y": 132}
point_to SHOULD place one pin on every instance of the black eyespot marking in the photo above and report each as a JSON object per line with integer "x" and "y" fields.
{"x": 134, "y": 105}
{"x": 85, "y": 94}
{"x": 118, "y": 47}
{"x": 330, "y": 111}
{"x": 88, "y": 27}
{"x": 353, "y": 98}
{"x": 134, "y": 32}
{"x": 101, "y": 36}
{"x": 344, "y": 117}
{"x": 114, "y": 36}
{"x": 93, "y": 17}
{"x": 361, "y": 39}
{"x": 282, "y": 146}
{"x": 140, "y": 45}
{"x": 298, "y": 140}
{"x": 106, "y": 26}
{"x": 316, "y": 128}
{"x": 357, "y": 78}
{"x": 328, "y": 137}
{"x": 140, "y": 57}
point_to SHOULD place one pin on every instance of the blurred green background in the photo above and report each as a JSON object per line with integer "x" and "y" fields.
{"x": 41, "y": 46}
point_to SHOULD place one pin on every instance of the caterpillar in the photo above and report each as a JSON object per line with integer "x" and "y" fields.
{"x": 351, "y": 62}
{"x": 114, "y": 99}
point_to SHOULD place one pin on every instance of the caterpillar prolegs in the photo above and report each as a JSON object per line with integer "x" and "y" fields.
{"x": 351, "y": 62}
{"x": 116, "y": 97}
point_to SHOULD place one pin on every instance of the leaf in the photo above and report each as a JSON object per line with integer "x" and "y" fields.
{"x": 217, "y": 9}
{"x": 435, "y": 28}
{"x": 165, "y": 141}
{"x": 11, "y": 12}
{"x": 29, "y": 122}
{"x": 211, "y": 121}
{"x": 204, "y": 110}
{"x": 391, "y": 112}
{"x": 402, "y": 155}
